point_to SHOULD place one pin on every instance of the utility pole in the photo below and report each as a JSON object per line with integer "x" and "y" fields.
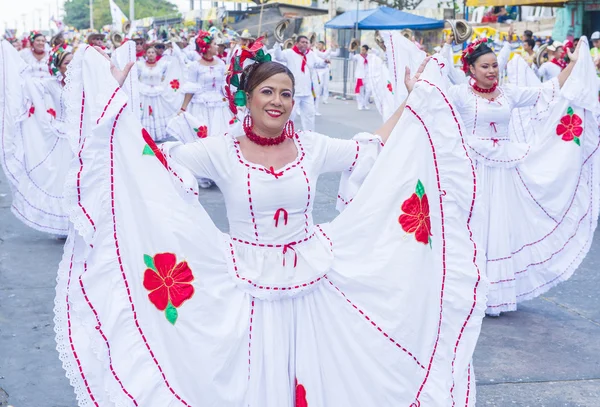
{"x": 131, "y": 11}
{"x": 191, "y": 4}
{"x": 91, "y": 14}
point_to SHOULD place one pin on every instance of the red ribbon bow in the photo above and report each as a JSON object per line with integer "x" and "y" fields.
{"x": 276, "y": 216}
{"x": 493, "y": 125}
{"x": 271, "y": 171}
{"x": 287, "y": 247}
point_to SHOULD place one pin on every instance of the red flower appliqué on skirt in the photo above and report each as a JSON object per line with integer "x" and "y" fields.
{"x": 51, "y": 112}
{"x": 415, "y": 218}
{"x": 570, "y": 127}
{"x": 201, "y": 132}
{"x": 169, "y": 283}
{"x": 174, "y": 84}
{"x": 300, "y": 395}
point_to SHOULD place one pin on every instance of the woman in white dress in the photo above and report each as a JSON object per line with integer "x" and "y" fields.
{"x": 158, "y": 94}
{"x": 204, "y": 89}
{"x": 156, "y": 306}
{"x": 537, "y": 188}
{"x": 36, "y": 56}
{"x": 35, "y": 150}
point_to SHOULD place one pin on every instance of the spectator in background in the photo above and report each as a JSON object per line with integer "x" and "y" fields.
{"x": 528, "y": 53}
{"x": 15, "y": 42}
{"x": 595, "y": 51}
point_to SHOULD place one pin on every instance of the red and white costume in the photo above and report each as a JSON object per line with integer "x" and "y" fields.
{"x": 39, "y": 68}
{"x": 156, "y": 306}
{"x": 302, "y": 67}
{"x": 538, "y": 194}
{"x": 361, "y": 74}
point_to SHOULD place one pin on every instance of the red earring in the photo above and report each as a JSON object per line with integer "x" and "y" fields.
{"x": 248, "y": 123}
{"x": 289, "y": 129}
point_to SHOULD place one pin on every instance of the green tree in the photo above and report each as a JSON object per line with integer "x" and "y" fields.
{"x": 77, "y": 12}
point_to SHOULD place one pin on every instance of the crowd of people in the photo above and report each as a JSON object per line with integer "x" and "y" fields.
{"x": 480, "y": 190}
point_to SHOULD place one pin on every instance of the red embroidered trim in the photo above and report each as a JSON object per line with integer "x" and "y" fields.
{"x": 561, "y": 220}
{"x": 531, "y": 195}
{"x": 70, "y": 333}
{"x": 107, "y": 104}
{"x": 290, "y": 166}
{"x": 82, "y": 144}
{"x": 101, "y": 332}
{"x": 267, "y": 287}
{"x": 365, "y": 316}
{"x": 252, "y": 209}
{"x": 344, "y": 201}
{"x": 276, "y": 217}
{"x": 306, "y": 225}
{"x": 355, "y": 157}
{"x": 120, "y": 261}
{"x": 250, "y": 337}
{"x": 500, "y": 161}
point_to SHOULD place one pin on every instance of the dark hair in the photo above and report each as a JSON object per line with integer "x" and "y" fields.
{"x": 36, "y": 35}
{"x": 322, "y": 42}
{"x": 530, "y": 42}
{"x": 479, "y": 51}
{"x": 528, "y": 34}
{"x": 366, "y": 47}
{"x": 255, "y": 74}
{"x": 62, "y": 58}
{"x": 300, "y": 37}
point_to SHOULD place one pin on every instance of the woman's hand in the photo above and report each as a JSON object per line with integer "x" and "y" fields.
{"x": 119, "y": 75}
{"x": 410, "y": 82}
{"x": 573, "y": 57}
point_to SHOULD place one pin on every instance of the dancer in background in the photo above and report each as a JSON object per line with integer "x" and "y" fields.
{"x": 301, "y": 61}
{"x": 323, "y": 73}
{"x": 555, "y": 64}
{"x": 361, "y": 75}
{"x": 36, "y": 153}
{"x": 36, "y": 56}
{"x": 159, "y": 94}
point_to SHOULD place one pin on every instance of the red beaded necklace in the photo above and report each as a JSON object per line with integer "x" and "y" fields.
{"x": 482, "y": 90}
{"x": 263, "y": 141}
{"x": 208, "y": 59}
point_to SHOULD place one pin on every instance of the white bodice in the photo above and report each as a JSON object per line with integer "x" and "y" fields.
{"x": 203, "y": 79}
{"x": 39, "y": 69}
{"x": 487, "y": 121}
{"x": 152, "y": 76}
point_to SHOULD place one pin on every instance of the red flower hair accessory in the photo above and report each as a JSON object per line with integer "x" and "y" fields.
{"x": 470, "y": 49}
{"x": 56, "y": 58}
{"x": 32, "y": 36}
{"x": 203, "y": 41}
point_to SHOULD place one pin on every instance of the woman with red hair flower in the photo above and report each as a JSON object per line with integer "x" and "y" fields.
{"x": 37, "y": 55}
{"x": 205, "y": 99}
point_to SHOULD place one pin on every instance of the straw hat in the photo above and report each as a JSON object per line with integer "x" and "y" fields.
{"x": 461, "y": 30}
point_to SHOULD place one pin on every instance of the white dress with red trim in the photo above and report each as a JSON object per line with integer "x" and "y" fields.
{"x": 537, "y": 195}
{"x": 157, "y": 307}
{"x": 34, "y": 147}
{"x": 39, "y": 67}
{"x": 208, "y": 112}
{"x": 160, "y": 96}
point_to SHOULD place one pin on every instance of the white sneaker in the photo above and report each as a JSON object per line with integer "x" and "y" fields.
{"x": 204, "y": 184}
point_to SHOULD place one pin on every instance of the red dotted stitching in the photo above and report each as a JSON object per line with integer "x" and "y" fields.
{"x": 99, "y": 329}
{"x": 301, "y": 155}
{"x": 267, "y": 287}
{"x": 107, "y": 104}
{"x": 272, "y": 245}
{"x": 118, "y": 253}
{"x": 252, "y": 209}
{"x": 306, "y": 225}
{"x": 85, "y": 382}
{"x": 250, "y": 337}
{"x": 344, "y": 201}
{"x": 82, "y": 144}
{"x": 531, "y": 195}
{"x": 501, "y": 161}
{"x": 562, "y": 219}
{"x": 551, "y": 100}
{"x": 355, "y": 157}
{"x": 388, "y": 336}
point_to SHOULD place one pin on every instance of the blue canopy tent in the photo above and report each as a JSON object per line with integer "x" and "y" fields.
{"x": 382, "y": 18}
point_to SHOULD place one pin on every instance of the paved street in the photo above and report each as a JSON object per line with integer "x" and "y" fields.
{"x": 545, "y": 355}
